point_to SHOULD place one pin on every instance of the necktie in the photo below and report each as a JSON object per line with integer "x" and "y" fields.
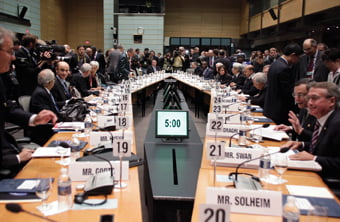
{"x": 63, "y": 83}
{"x": 310, "y": 64}
{"x": 54, "y": 103}
{"x": 315, "y": 137}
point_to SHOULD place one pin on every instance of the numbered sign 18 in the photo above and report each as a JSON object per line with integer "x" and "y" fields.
{"x": 122, "y": 122}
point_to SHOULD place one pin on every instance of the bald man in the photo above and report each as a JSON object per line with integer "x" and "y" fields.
{"x": 310, "y": 64}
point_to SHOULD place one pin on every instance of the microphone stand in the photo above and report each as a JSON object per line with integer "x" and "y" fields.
{"x": 282, "y": 150}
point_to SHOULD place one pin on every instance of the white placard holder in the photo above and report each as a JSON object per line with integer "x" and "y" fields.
{"x": 214, "y": 212}
{"x": 121, "y": 148}
{"x": 215, "y": 151}
{"x": 261, "y": 202}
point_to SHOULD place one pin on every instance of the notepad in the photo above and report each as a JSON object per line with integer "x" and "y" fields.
{"x": 51, "y": 152}
{"x": 309, "y": 191}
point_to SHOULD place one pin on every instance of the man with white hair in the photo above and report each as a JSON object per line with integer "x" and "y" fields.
{"x": 238, "y": 77}
{"x": 81, "y": 80}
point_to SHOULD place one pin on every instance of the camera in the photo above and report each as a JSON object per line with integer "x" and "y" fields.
{"x": 54, "y": 50}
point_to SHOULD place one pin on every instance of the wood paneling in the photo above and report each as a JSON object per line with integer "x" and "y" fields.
{"x": 200, "y": 18}
{"x": 313, "y": 6}
{"x": 291, "y": 10}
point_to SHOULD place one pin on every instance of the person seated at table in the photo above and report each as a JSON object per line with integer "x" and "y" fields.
{"x": 60, "y": 90}
{"x": 323, "y": 103}
{"x": 303, "y": 123}
{"x": 80, "y": 80}
{"x": 153, "y": 67}
{"x": 223, "y": 76}
{"x": 238, "y": 77}
{"x": 248, "y": 87}
{"x": 42, "y": 97}
{"x": 259, "y": 82}
{"x": 95, "y": 82}
{"x": 207, "y": 72}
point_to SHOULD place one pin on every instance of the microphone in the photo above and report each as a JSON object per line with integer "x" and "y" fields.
{"x": 16, "y": 208}
{"x": 262, "y": 126}
{"x": 282, "y": 150}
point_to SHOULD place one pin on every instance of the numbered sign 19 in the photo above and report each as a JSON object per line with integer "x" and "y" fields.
{"x": 214, "y": 213}
{"x": 122, "y": 148}
{"x": 215, "y": 150}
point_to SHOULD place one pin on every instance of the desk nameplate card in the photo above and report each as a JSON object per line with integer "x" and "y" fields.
{"x": 107, "y": 138}
{"x": 226, "y": 131}
{"x": 261, "y": 202}
{"x": 81, "y": 171}
{"x": 234, "y": 156}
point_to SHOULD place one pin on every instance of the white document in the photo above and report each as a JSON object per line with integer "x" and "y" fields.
{"x": 69, "y": 126}
{"x": 51, "y": 152}
{"x": 309, "y": 191}
{"x": 270, "y": 133}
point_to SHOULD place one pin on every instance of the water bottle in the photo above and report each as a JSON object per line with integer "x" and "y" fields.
{"x": 88, "y": 125}
{"x": 64, "y": 190}
{"x": 264, "y": 166}
{"x": 291, "y": 212}
{"x": 242, "y": 136}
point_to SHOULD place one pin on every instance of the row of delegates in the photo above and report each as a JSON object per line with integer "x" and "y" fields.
{"x": 12, "y": 156}
{"x": 323, "y": 146}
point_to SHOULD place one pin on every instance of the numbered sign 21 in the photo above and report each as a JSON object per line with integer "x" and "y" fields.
{"x": 215, "y": 150}
{"x": 214, "y": 213}
{"x": 122, "y": 148}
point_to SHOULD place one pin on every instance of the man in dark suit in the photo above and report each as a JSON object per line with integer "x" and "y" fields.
{"x": 153, "y": 67}
{"x": 27, "y": 64}
{"x": 310, "y": 64}
{"x": 248, "y": 87}
{"x": 99, "y": 57}
{"x": 78, "y": 59}
{"x": 42, "y": 97}
{"x": 323, "y": 104}
{"x": 259, "y": 82}
{"x": 281, "y": 78}
{"x": 124, "y": 69}
{"x": 303, "y": 122}
{"x": 238, "y": 77}
{"x": 12, "y": 156}
{"x": 81, "y": 80}
{"x": 60, "y": 90}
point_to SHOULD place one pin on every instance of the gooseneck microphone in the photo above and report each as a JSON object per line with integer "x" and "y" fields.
{"x": 16, "y": 208}
{"x": 262, "y": 126}
{"x": 282, "y": 150}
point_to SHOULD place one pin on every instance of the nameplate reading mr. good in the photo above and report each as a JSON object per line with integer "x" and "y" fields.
{"x": 262, "y": 202}
{"x": 80, "y": 171}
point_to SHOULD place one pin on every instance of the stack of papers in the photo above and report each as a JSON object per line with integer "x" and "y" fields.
{"x": 51, "y": 152}
{"x": 270, "y": 133}
{"x": 69, "y": 126}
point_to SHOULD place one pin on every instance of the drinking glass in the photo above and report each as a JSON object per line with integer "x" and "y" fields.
{"x": 62, "y": 151}
{"x": 43, "y": 189}
{"x": 280, "y": 165}
{"x": 317, "y": 214}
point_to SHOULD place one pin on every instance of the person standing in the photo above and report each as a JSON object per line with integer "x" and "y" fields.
{"x": 279, "y": 100}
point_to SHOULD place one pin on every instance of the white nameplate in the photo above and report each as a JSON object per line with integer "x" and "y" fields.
{"x": 262, "y": 202}
{"x": 123, "y": 122}
{"x": 106, "y": 138}
{"x": 81, "y": 170}
{"x": 229, "y": 118}
{"x": 105, "y": 121}
{"x": 227, "y": 130}
{"x": 214, "y": 212}
{"x": 234, "y": 156}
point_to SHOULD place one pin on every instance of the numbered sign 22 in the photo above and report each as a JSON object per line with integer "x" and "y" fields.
{"x": 214, "y": 213}
{"x": 122, "y": 122}
{"x": 215, "y": 150}
{"x": 215, "y": 125}
{"x": 122, "y": 148}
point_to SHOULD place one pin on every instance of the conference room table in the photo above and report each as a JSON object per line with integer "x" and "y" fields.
{"x": 293, "y": 177}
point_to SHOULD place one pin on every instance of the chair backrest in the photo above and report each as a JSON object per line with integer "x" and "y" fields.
{"x": 24, "y": 101}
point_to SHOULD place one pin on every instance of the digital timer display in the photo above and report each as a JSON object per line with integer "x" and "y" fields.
{"x": 171, "y": 123}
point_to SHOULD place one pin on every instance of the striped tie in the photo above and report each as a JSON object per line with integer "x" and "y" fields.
{"x": 315, "y": 137}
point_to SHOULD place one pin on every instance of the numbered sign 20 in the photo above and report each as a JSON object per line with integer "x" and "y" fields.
{"x": 122, "y": 148}
{"x": 214, "y": 213}
{"x": 215, "y": 150}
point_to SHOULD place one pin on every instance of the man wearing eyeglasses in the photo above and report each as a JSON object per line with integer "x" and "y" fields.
{"x": 12, "y": 156}
{"x": 60, "y": 90}
{"x": 323, "y": 147}
{"x": 303, "y": 122}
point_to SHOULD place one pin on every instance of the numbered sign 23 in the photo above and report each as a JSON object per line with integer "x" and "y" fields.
{"x": 215, "y": 150}
{"x": 214, "y": 213}
{"x": 122, "y": 148}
